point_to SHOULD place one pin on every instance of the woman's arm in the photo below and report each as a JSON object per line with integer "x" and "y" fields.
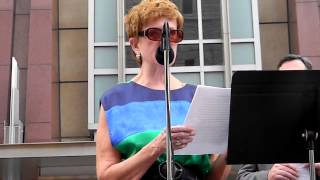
{"x": 220, "y": 170}
{"x": 108, "y": 159}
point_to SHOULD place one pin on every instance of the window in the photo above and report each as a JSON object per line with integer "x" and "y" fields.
{"x": 208, "y": 55}
{"x": 187, "y": 7}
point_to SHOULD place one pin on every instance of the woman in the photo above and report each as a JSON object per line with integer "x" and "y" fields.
{"x": 130, "y": 139}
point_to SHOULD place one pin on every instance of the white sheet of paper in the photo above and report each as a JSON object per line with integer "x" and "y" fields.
{"x": 303, "y": 171}
{"x": 209, "y": 116}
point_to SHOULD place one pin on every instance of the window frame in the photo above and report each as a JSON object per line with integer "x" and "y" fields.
{"x": 227, "y": 68}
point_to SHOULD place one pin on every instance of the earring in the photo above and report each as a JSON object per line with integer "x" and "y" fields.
{"x": 138, "y": 56}
{"x": 138, "y": 59}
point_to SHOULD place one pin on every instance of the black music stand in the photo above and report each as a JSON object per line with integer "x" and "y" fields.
{"x": 269, "y": 113}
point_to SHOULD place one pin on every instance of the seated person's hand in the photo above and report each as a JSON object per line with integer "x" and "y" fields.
{"x": 283, "y": 172}
{"x": 317, "y": 166}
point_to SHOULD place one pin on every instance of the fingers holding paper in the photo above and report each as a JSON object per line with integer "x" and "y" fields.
{"x": 283, "y": 172}
{"x": 181, "y": 136}
{"x": 317, "y": 166}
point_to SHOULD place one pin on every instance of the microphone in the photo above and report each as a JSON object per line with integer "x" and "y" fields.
{"x": 160, "y": 57}
{"x": 165, "y": 45}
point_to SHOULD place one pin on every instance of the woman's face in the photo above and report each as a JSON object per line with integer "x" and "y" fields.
{"x": 147, "y": 47}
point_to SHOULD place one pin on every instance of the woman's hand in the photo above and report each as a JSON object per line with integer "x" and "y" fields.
{"x": 181, "y": 137}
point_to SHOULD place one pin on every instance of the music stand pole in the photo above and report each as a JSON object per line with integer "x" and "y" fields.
{"x": 310, "y": 137}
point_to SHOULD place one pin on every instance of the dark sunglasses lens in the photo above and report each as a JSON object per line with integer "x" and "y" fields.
{"x": 154, "y": 34}
{"x": 176, "y": 36}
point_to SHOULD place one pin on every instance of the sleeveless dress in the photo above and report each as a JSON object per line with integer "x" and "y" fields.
{"x": 136, "y": 115}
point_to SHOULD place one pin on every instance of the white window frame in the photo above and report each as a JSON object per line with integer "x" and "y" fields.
{"x": 122, "y": 71}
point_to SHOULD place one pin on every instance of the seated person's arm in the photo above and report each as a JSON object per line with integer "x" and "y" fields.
{"x": 108, "y": 159}
{"x": 278, "y": 171}
{"x": 251, "y": 172}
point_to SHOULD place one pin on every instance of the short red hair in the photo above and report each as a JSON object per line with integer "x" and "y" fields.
{"x": 150, "y": 10}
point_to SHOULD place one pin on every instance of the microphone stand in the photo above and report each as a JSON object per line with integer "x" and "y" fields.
{"x": 311, "y": 137}
{"x": 165, "y": 42}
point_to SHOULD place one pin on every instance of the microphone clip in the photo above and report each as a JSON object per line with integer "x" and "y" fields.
{"x": 165, "y": 39}
{"x": 165, "y": 45}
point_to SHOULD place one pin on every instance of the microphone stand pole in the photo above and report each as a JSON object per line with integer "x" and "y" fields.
{"x": 166, "y": 50}
{"x": 310, "y": 137}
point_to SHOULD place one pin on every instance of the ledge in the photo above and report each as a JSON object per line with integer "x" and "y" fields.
{"x": 57, "y": 149}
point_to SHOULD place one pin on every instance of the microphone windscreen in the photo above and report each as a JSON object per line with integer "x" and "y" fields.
{"x": 160, "y": 57}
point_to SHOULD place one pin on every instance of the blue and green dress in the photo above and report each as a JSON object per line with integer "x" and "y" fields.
{"x": 136, "y": 115}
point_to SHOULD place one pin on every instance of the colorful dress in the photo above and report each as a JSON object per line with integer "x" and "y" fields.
{"x": 136, "y": 115}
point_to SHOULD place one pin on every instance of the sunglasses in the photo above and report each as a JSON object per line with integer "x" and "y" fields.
{"x": 155, "y": 34}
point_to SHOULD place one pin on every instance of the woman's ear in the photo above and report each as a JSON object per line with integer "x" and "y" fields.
{"x": 134, "y": 45}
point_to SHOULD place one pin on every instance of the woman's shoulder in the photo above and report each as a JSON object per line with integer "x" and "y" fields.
{"x": 186, "y": 92}
{"x": 119, "y": 88}
{"x": 116, "y": 94}
{"x": 191, "y": 87}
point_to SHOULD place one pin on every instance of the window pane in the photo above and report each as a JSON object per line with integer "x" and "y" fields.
{"x": 130, "y": 59}
{"x": 190, "y": 19}
{"x": 213, "y": 54}
{"x": 128, "y": 4}
{"x": 190, "y": 78}
{"x": 105, "y": 57}
{"x": 188, "y": 55}
{"x": 242, "y": 53}
{"x": 129, "y": 77}
{"x": 105, "y": 23}
{"x": 211, "y": 19}
{"x": 241, "y": 19}
{"x": 215, "y": 79}
{"x": 187, "y": 7}
{"x": 101, "y": 84}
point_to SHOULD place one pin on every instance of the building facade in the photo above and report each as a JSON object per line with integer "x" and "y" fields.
{"x": 69, "y": 51}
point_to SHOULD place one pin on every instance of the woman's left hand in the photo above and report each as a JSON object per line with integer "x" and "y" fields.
{"x": 181, "y": 136}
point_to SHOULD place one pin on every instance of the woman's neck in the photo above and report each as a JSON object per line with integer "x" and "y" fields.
{"x": 154, "y": 78}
